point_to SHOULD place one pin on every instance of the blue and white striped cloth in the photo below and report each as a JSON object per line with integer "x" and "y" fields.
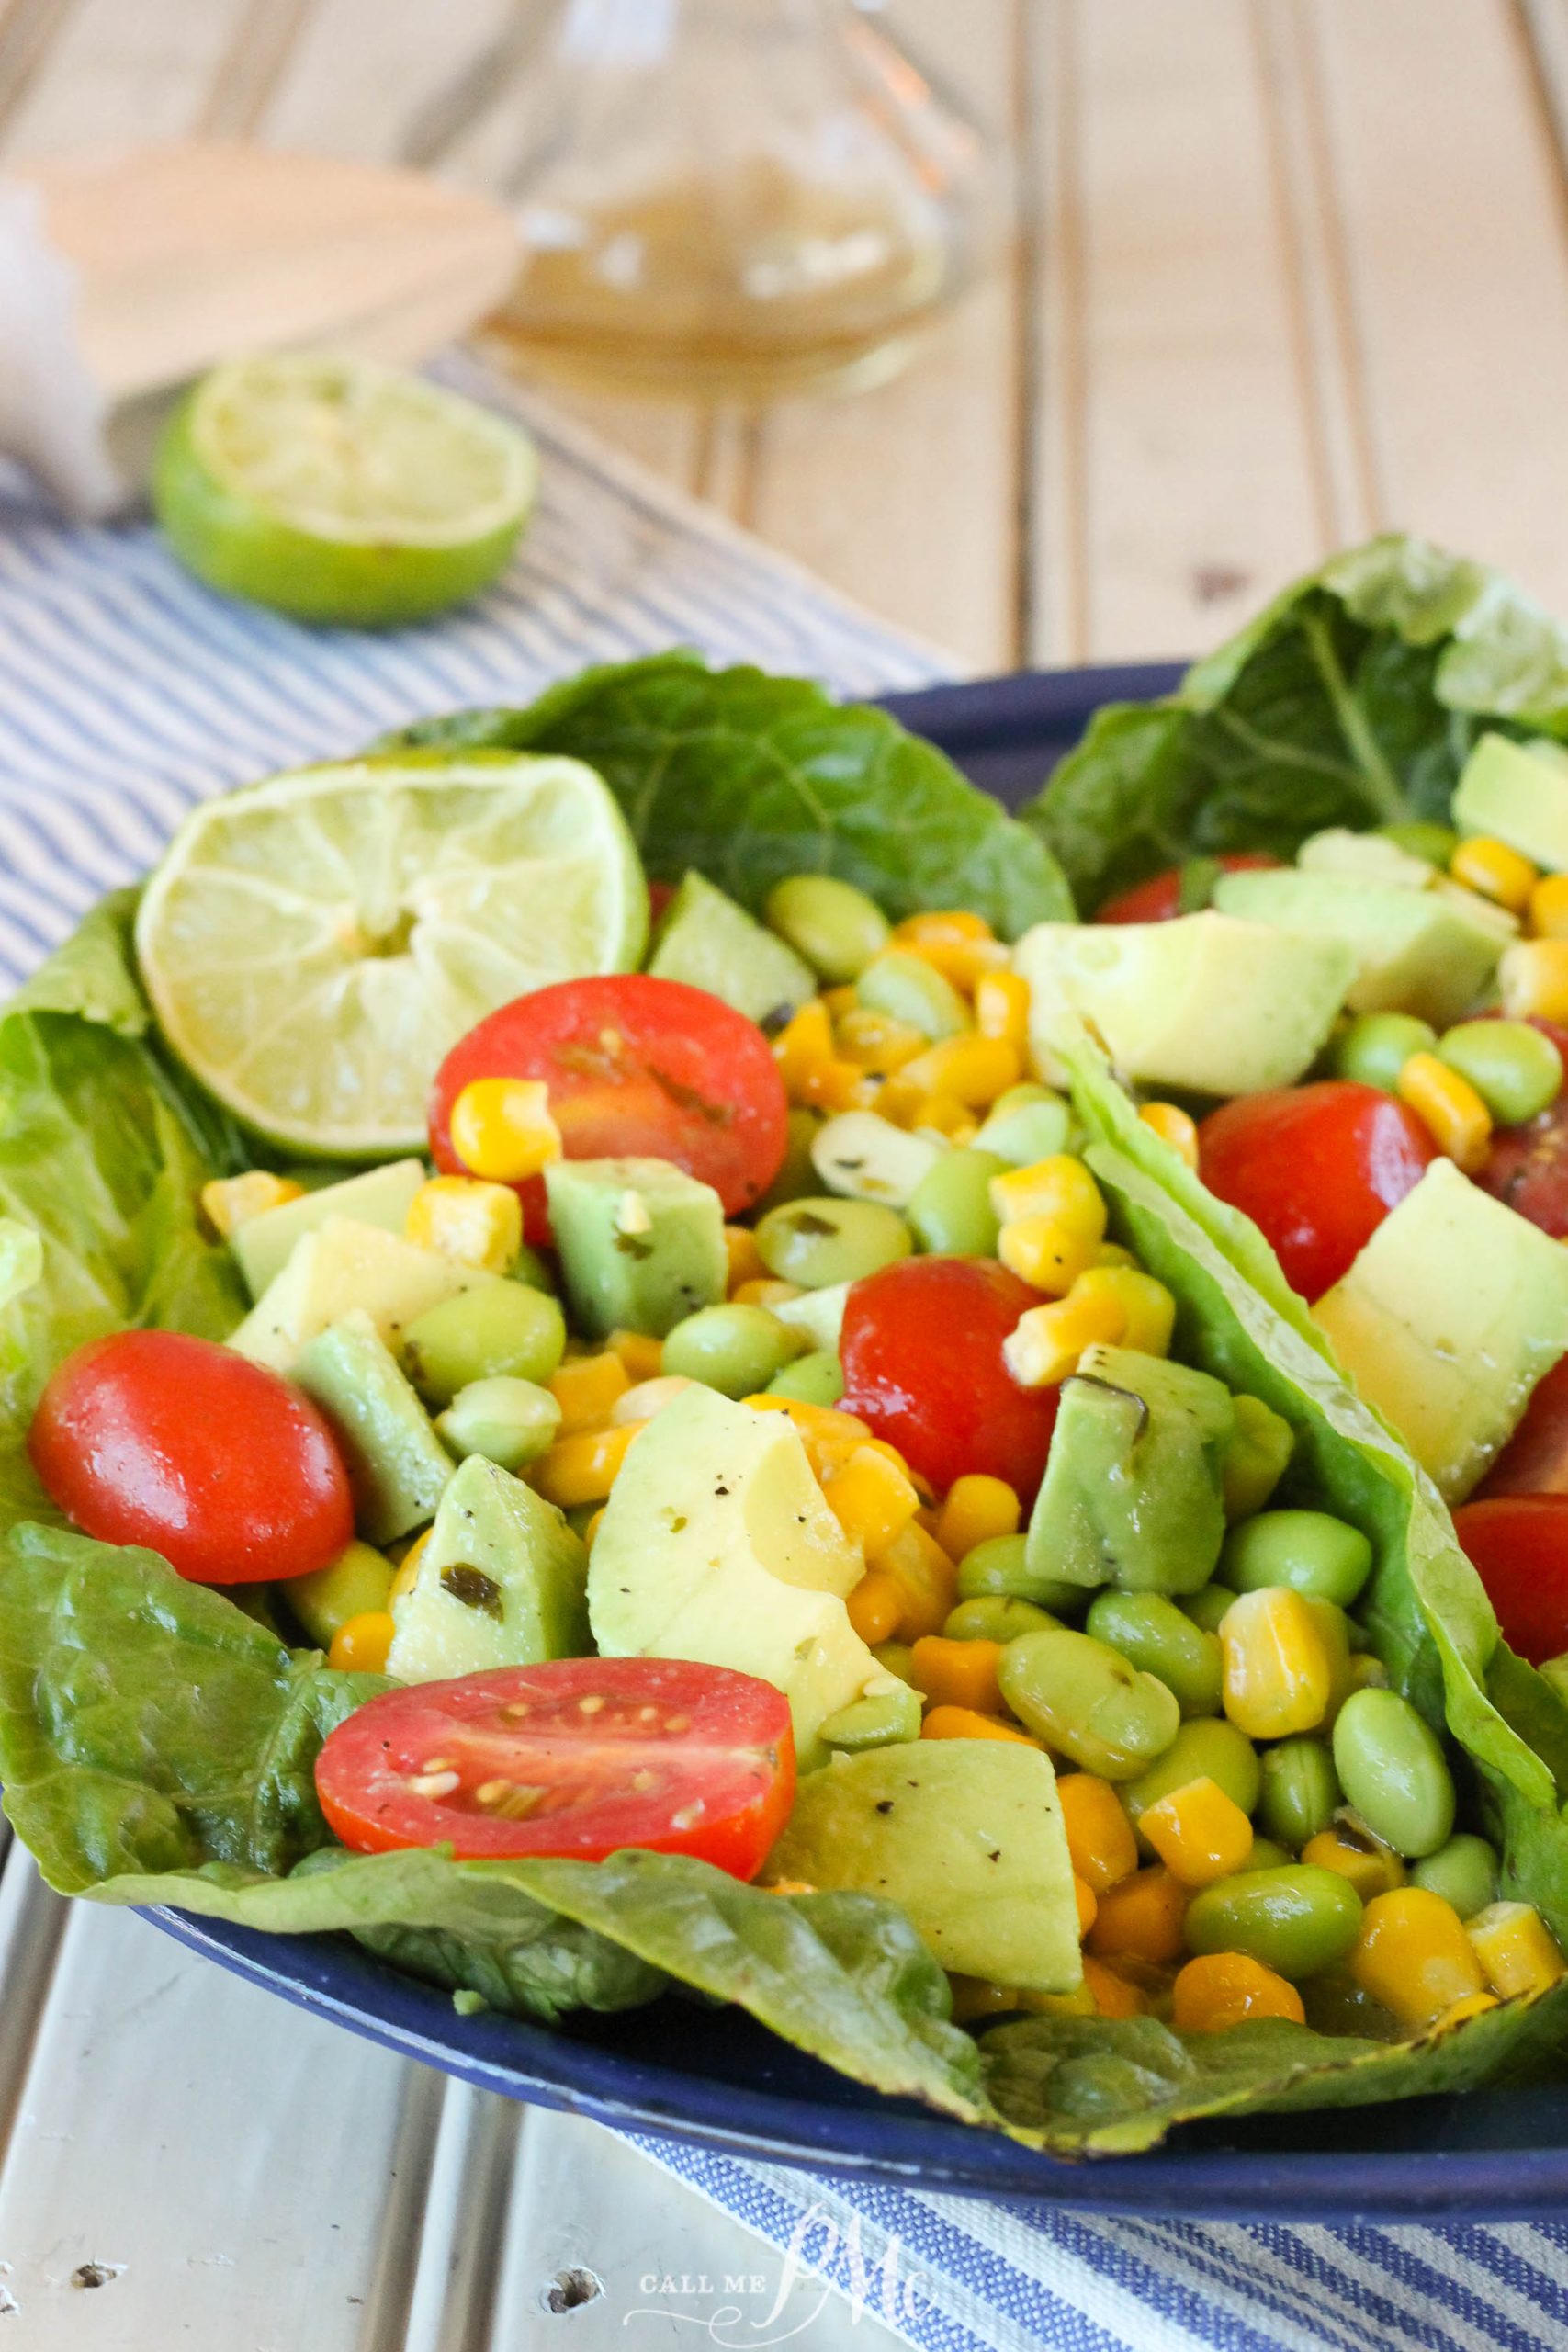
{"x": 126, "y": 693}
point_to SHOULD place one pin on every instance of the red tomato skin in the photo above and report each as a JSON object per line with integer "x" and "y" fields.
{"x": 1528, "y": 1165}
{"x": 156, "y": 1438}
{"x": 731, "y": 1746}
{"x": 1159, "y": 899}
{"x": 1535, "y": 1460}
{"x": 1317, "y": 1167}
{"x": 921, "y": 1348}
{"x": 714, "y": 1103}
{"x": 1518, "y": 1546}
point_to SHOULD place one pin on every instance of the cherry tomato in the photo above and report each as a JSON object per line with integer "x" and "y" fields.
{"x": 1159, "y": 899}
{"x": 1535, "y": 1460}
{"x": 635, "y": 1066}
{"x": 1528, "y": 1165}
{"x": 582, "y": 1757}
{"x": 152, "y": 1437}
{"x": 921, "y": 1348}
{"x": 1519, "y": 1545}
{"x": 1318, "y": 1168}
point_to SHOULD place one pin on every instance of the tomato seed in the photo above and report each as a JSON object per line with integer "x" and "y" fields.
{"x": 434, "y": 1784}
{"x": 515, "y": 1710}
{"x": 439, "y": 1764}
{"x": 643, "y": 1782}
{"x": 688, "y": 1817}
{"x": 678, "y": 1723}
{"x": 592, "y": 1705}
{"x": 647, "y": 1714}
{"x": 493, "y": 1791}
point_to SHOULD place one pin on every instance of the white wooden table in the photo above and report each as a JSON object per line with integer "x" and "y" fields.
{"x": 1287, "y": 272}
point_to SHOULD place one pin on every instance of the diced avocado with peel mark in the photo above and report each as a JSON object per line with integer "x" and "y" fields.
{"x": 357, "y": 1581}
{"x": 397, "y": 1465}
{"x": 710, "y": 943}
{"x": 1414, "y": 951}
{"x": 1207, "y": 1002}
{"x": 1448, "y": 1317}
{"x": 716, "y": 1544}
{"x": 343, "y": 1266}
{"x": 502, "y": 1581}
{"x": 641, "y": 1243}
{"x": 1517, "y": 793}
{"x": 382, "y": 1196}
{"x": 965, "y": 1836}
{"x": 1134, "y": 1492}
{"x": 818, "y": 1313}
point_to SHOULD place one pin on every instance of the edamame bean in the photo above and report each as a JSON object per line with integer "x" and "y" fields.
{"x": 1516, "y": 1070}
{"x": 1207, "y": 1605}
{"x": 1393, "y": 1772}
{"x": 1301, "y": 1789}
{"x": 1026, "y": 1125}
{"x": 818, "y": 1242}
{"x": 1435, "y": 844}
{"x": 1268, "y": 1854}
{"x": 1463, "y": 1871}
{"x": 1297, "y": 1921}
{"x": 1374, "y": 1048}
{"x": 1207, "y": 1748}
{"x": 896, "y": 1657}
{"x": 735, "y": 1348}
{"x": 509, "y": 1422}
{"x": 950, "y": 1208}
{"x": 356, "y": 1581}
{"x": 1335, "y": 2003}
{"x": 1088, "y": 1701}
{"x": 836, "y": 927}
{"x": 1154, "y": 1634}
{"x": 530, "y": 1269}
{"x": 1257, "y": 1458}
{"x": 798, "y": 1174}
{"x": 814, "y": 1379}
{"x": 500, "y": 1327}
{"x": 876, "y": 1720}
{"x": 992, "y": 1618}
{"x": 1324, "y": 1558}
{"x": 909, "y": 989}
{"x": 999, "y": 1567}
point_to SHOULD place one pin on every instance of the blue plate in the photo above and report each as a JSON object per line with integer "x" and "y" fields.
{"x": 688, "y": 2073}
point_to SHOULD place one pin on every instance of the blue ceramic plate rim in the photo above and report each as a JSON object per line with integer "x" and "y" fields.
{"x": 1492, "y": 2154}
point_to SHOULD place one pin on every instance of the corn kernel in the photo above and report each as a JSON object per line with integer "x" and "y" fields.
{"x": 360, "y": 1644}
{"x": 1549, "y": 907}
{"x": 1141, "y": 1918}
{"x": 1474, "y": 2004}
{"x": 1516, "y": 1949}
{"x": 1045, "y": 1253}
{"x": 1087, "y": 1905}
{"x": 1045, "y": 1343}
{"x": 1446, "y": 1104}
{"x": 1001, "y": 1009}
{"x": 960, "y": 946}
{"x": 742, "y": 1257}
{"x": 1222, "y": 1988}
{"x": 642, "y": 1356}
{"x": 926, "y": 1578}
{"x": 964, "y": 1723}
{"x": 974, "y": 1998}
{"x": 974, "y": 1071}
{"x": 943, "y": 1115}
{"x": 646, "y": 1399}
{"x": 977, "y": 1507}
{"x": 840, "y": 1000}
{"x": 875, "y": 1607}
{"x": 1199, "y": 1833}
{"x": 230, "y": 1202}
{"x": 876, "y": 1042}
{"x": 812, "y": 1420}
{"x": 803, "y": 1043}
{"x": 1112, "y": 1995}
{"x": 584, "y": 1468}
{"x": 941, "y": 925}
{"x": 1099, "y": 1836}
{"x": 407, "y": 1569}
{"x": 1147, "y": 1308}
{"x": 1278, "y": 1672}
{"x": 1413, "y": 1956}
{"x": 1173, "y": 1125}
{"x": 467, "y": 1218}
{"x": 501, "y": 1129}
{"x": 585, "y": 1387}
{"x": 837, "y": 1086}
{"x": 1533, "y": 977}
{"x": 871, "y": 1499}
{"x": 1496, "y": 871}
{"x": 1059, "y": 1187}
{"x": 958, "y": 1674}
{"x": 1371, "y": 1867}
{"x": 764, "y": 1290}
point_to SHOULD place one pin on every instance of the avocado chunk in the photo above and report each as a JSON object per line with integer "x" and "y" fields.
{"x": 343, "y": 1266}
{"x": 818, "y": 1313}
{"x": 1517, "y": 792}
{"x": 397, "y": 1465}
{"x": 716, "y": 1544}
{"x": 1364, "y": 857}
{"x": 1414, "y": 951}
{"x": 641, "y": 1243}
{"x": 1448, "y": 1317}
{"x": 382, "y": 1196}
{"x": 1207, "y": 1003}
{"x": 710, "y": 943}
{"x": 965, "y": 1836}
{"x": 1134, "y": 1492}
{"x": 357, "y": 1581}
{"x": 502, "y": 1581}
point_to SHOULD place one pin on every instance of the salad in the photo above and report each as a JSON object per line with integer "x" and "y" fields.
{"x": 647, "y": 1349}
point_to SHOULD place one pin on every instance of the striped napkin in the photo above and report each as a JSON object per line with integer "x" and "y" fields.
{"x": 126, "y": 693}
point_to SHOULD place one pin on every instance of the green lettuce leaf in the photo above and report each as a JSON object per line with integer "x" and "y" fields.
{"x": 748, "y": 777}
{"x": 1353, "y": 700}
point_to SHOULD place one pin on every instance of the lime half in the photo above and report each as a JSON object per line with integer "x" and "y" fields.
{"x": 335, "y": 489}
{"x": 313, "y": 945}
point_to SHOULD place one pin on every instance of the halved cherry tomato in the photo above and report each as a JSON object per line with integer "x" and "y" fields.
{"x": 1318, "y": 1168}
{"x": 1159, "y": 899}
{"x": 1535, "y": 1460}
{"x": 1528, "y": 1165}
{"x": 1519, "y": 1545}
{"x": 921, "y": 1348}
{"x": 634, "y": 1066}
{"x": 583, "y": 1756}
{"x": 155, "y": 1438}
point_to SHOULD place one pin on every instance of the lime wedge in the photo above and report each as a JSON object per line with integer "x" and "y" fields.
{"x": 314, "y": 945}
{"x": 339, "y": 491}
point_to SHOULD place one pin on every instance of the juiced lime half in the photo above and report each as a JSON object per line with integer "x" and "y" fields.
{"x": 314, "y": 945}
{"x": 339, "y": 491}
